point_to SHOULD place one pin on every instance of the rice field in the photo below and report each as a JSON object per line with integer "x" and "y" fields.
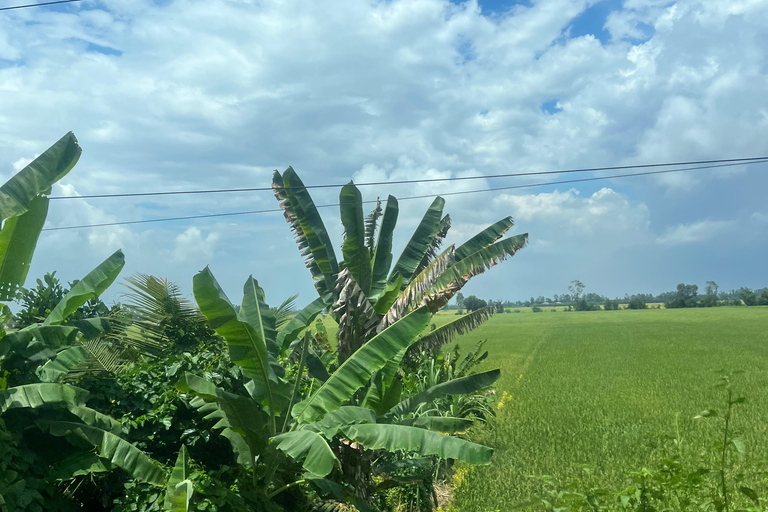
{"x": 591, "y": 397}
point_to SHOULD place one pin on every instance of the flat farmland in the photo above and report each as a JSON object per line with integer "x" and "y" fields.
{"x": 591, "y": 397}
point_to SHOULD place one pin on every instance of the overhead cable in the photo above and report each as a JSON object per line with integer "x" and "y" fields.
{"x": 751, "y": 160}
{"x": 461, "y": 192}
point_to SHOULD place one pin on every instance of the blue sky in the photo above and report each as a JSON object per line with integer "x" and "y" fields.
{"x": 191, "y": 95}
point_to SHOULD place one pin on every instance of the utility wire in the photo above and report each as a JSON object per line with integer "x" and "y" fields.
{"x": 38, "y": 5}
{"x": 755, "y": 160}
{"x": 462, "y": 192}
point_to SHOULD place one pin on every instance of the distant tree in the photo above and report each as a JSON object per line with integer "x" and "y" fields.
{"x": 576, "y": 287}
{"x": 460, "y": 300}
{"x": 749, "y": 297}
{"x": 556, "y": 298}
{"x": 611, "y": 305}
{"x": 499, "y": 306}
{"x": 472, "y": 303}
{"x": 685, "y": 297}
{"x": 763, "y": 300}
{"x": 636, "y": 302}
{"x": 711, "y": 288}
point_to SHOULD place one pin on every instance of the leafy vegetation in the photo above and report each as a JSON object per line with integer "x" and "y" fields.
{"x": 158, "y": 387}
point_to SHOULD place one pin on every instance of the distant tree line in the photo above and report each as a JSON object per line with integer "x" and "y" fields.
{"x": 684, "y": 296}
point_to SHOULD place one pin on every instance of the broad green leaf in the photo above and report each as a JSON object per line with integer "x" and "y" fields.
{"x": 420, "y": 242}
{"x": 38, "y": 342}
{"x": 33, "y": 396}
{"x": 382, "y": 257}
{"x": 309, "y": 447}
{"x": 90, "y": 287}
{"x": 179, "y": 489}
{"x": 357, "y": 258}
{"x": 79, "y": 464}
{"x": 37, "y": 177}
{"x": 444, "y": 425}
{"x": 18, "y": 240}
{"x": 484, "y": 238}
{"x": 299, "y": 322}
{"x": 388, "y": 296}
{"x": 114, "y": 449}
{"x": 356, "y": 371}
{"x": 307, "y": 225}
{"x": 345, "y": 415}
{"x": 247, "y": 348}
{"x": 256, "y": 312}
{"x": 460, "y": 386}
{"x": 231, "y": 410}
{"x": 64, "y": 362}
{"x": 395, "y": 438}
{"x": 316, "y": 367}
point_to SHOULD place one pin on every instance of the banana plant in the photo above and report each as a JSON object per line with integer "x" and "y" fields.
{"x": 55, "y": 408}
{"x": 312, "y": 427}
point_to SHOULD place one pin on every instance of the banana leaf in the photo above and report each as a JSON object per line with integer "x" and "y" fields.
{"x": 484, "y": 238}
{"x": 309, "y": 230}
{"x": 18, "y": 240}
{"x": 64, "y": 362}
{"x": 34, "y": 396}
{"x": 356, "y": 371}
{"x": 299, "y": 322}
{"x": 395, "y": 438}
{"x": 444, "y": 425}
{"x": 420, "y": 242}
{"x": 357, "y": 257}
{"x": 37, "y": 177}
{"x": 38, "y": 342}
{"x": 179, "y": 489}
{"x": 345, "y": 415}
{"x": 247, "y": 348}
{"x": 90, "y": 287}
{"x": 309, "y": 447}
{"x": 256, "y": 312}
{"x": 115, "y": 450}
{"x": 382, "y": 256}
{"x": 458, "y": 274}
{"x": 460, "y": 386}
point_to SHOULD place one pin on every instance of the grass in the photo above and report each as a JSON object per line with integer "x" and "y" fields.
{"x": 603, "y": 390}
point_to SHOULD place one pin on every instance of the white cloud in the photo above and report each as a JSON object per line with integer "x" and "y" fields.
{"x": 695, "y": 232}
{"x": 216, "y": 94}
{"x": 191, "y": 245}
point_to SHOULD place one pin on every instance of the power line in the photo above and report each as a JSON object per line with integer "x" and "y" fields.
{"x": 38, "y": 5}
{"x": 462, "y": 192}
{"x": 750, "y": 160}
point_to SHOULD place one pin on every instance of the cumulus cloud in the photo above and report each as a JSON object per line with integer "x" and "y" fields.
{"x": 191, "y": 245}
{"x": 695, "y": 232}
{"x": 196, "y": 95}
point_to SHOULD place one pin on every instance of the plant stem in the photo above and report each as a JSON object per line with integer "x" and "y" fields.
{"x": 283, "y": 488}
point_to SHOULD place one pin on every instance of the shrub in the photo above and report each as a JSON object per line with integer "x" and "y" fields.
{"x": 636, "y": 303}
{"x": 536, "y": 309}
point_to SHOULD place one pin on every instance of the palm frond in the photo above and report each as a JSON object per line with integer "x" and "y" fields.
{"x": 285, "y": 311}
{"x": 412, "y": 295}
{"x": 151, "y": 304}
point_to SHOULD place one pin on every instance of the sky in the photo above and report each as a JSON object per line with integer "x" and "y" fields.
{"x": 181, "y": 94}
